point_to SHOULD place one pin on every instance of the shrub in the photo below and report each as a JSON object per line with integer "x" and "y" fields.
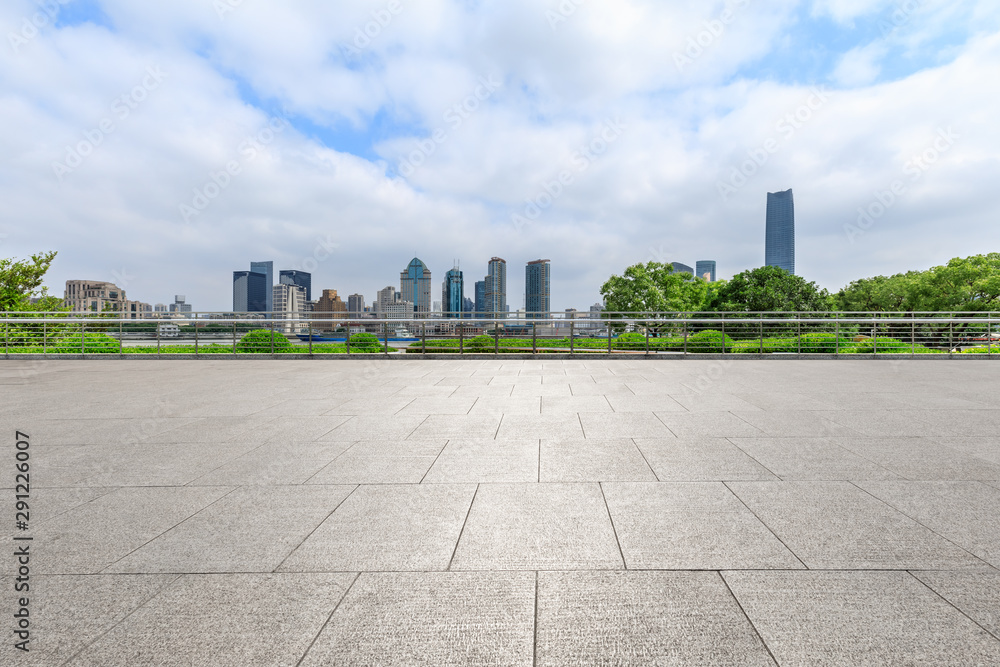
{"x": 479, "y": 343}
{"x": 710, "y": 341}
{"x": 365, "y": 343}
{"x": 93, "y": 343}
{"x": 820, "y": 343}
{"x": 631, "y": 341}
{"x": 882, "y": 345}
{"x": 259, "y": 341}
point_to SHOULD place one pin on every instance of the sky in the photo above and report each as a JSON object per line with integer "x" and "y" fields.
{"x": 162, "y": 146}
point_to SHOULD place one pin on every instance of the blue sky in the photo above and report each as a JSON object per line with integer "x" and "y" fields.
{"x": 377, "y": 162}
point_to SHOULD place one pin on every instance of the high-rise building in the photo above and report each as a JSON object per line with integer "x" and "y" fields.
{"x": 537, "y": 288}
{"x": 330, "y": 306}
{"x": 705, "y": 269}
{"x": 415, "y": 286}
{"x": 480, "y": 298}
{"x": 180, "y": 304}
{"x": 468, "y": 307}
{"x": 267, "y": 268}
{"x": 453, "y": 293}
{"x": 356, "y": 305}
{"x": 249, "y": 292}
{"x": 779, "y": 238}
{"x": 682, "y": 268}
{"x": 385, "y": 298}
{"x": 289, "y": 302}
{"x": 496, "y": 288}
{"x": 301, "y": 278}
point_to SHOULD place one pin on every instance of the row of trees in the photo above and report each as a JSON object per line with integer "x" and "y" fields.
{"x": 962, "y": 285}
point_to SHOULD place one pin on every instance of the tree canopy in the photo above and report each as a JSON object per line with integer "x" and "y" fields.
{"x": 655, "y": 287}
{"x": 770, "y": 289}
{"x": 21, "y": 281}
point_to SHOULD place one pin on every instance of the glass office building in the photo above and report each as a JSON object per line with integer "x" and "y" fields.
{"x": 537, "y": 288}
{"x": 480, "y": 298}
{"x": 496, "y": 288}
{"x": 779, "y": 241}
{"x": 415, "y": 287}
{"x": 300, "y": 278}
{"x": 249, "y": 292}
{"x": 267, "y": 268}
{"x": 682, "y": 268}
{"x": 705, "y": 269}
{"x": 453, "y": 293}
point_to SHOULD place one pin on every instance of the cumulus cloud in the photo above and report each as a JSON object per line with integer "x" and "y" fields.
{"x": 347, "y": 137}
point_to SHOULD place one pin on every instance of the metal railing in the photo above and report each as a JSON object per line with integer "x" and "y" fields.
{"x": 61, "y": 334}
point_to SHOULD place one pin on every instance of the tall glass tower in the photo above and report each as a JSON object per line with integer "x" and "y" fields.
{"x": 415, "y": 287}
{"x": 779, "y": 241}
{"x": 453, "y": 293}
{"x": 249, "y": 292}
{"x": 480, "y": 298}
{"x": 267, "y": 268}
{"x": 496, "y": 288}
{"x": 705, "y": 269}
{"x": 537, "y": 289}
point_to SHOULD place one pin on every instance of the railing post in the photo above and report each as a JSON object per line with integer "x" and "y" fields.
{"x": 45, "y": 337}
{"x": 647, "y": 339}
{"x": 234, "y": 334}
{"x": 571, "y": 338}
{"x": 158, "y": 323}
{"x": 609, "y": 337}
{"x": 461, "y": 341}
{"x": 989, "y": 335}
{"x": 496, "y": 335}
{"x": 6, "y": 336}
{"x": 534, "y": 337}
{"x": 423, "y": 338}
{"x": 875, "y": 335}
{"x": 836, "y": 344}
{"x": 385, "y": 336}
{"x": 723, "y": 333}
{"x": 196, "y": 339}
{"x": 798, "y": 330}
{"x": 120, "y": 333}
{"x": 913, "y": 336}
{"x": 951, "y": 336}
{"x": 685, "y": 337}
{"x": 761, "y": 350}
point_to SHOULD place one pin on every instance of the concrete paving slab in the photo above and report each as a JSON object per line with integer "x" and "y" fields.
{"x": 507, "y": 405}
{"x": 922, "y": 458}
{"x": 708, "y": 424}
{"x": 526, "y": 427}
{"x": 485, "y": 461}
{"x": 291, "y": 463}
{"x": 700, "y": 459}
{"x": 632, "y": 403}
{"x": 90, "y": 537}
{"x": 642, "y": 618}
{"x": 811, "y": 459}
{"x": 858, "y": 618}
{"x": 789, "y": 424}
{"x": 882, "y": 423}
{"x": 457, "y": 426}
{"x": 966, "y": 513}
{"x": 623, "y": 425}
{"x": 563, "y": 405}
{"x": 975, "y": 594}
{"x": 236, "y": 620}
{"x": 431, "y": 618}
{"x": 408, "y": 527}
{"x": 538, "y": 527}
{"x": 433, "y": 405}
{"x": 836, "y": 525}
{"x": 380, "y": 463}
{"x": 530, "y": 389}
{"x": 372, "y": 427}
{"x": 714, "y": 402}
{"x": 691, "y": 526}
{"x": 591, "y": 460}
{"x": 253, "y": 529}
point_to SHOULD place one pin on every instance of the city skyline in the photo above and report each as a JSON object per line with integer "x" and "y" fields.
{"x": 576, "y": 144}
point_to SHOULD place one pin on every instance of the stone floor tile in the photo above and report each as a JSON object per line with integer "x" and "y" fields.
{"x": 811, "y": 459}
{"x": 623, "y": 425}
{"x": 432, "y": 618}
{"x": 700, "y": 459}
{"x": 588, "y": 460}
{"x": 291, "y": 463}
{"x": 708, "y": 424}
{"x": 457, "y": 426}
{"x": 642, "y": 618}
{"x": 536, "y": 427}
{"x": 794, "y": 424}
{"x": 632, "y": 403}
{"x": 563, "y": 405}
{"x": 372, "y": 427}
{"x": 858, "y": 618}
{"x": 922, "y": 458}
{"x": 224, "y": 620}
{"x": 486, "y": 461}
{"x": 975, "y": 594}
{"x": 507, "y": 405}
{"x": 538, "y": 527}
{"x": 409, "y": 527}
{"x": 691, "y": 526}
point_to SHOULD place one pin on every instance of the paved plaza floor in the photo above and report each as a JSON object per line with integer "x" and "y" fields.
{"x": 492, "y": 512}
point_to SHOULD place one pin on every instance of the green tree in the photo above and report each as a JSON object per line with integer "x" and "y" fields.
{"x": 770, "y": 289}
{"x": 655, "y": 287}
{"x": 21, "y": 281}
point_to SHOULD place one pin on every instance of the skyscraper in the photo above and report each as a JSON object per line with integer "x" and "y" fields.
{"x": 330, "y": 306}
{"x": 249, "y": 292}
{"x": 356, "y": 304}
{"x": 386, "y": 297}
{"x": 480, "y": 298}
{"x": 496, "y": 288}
{"x": 537, "y": 289}
{"x": 301, "y": 278}
{"x": 415, "y": 287}
{"x": 779, "y": 240}
{"x": 267, "y": 268}
{"x": 705, "y": 269}
{"x": 453, "y": 293}
{"x": 682, "y": 268}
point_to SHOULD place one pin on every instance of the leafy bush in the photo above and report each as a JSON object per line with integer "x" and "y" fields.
{"x": 631, "y": 341}
{"x": 710, "y": 341}
{"x": 365, "y": 343}
{"x": 882, "y": 345}
{"x": 479, "y": 343}
{"x": 820, "y": 343}
{"x": 260, "y": 340}
{"x": 93, "y": 343}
